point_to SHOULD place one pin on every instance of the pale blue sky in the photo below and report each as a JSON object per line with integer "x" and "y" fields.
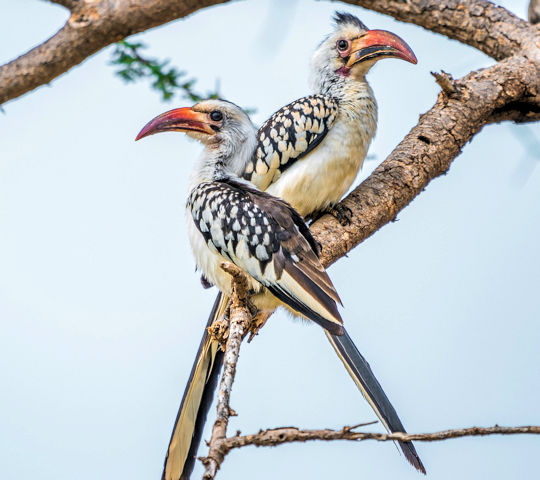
{"x": 101, "y": 310}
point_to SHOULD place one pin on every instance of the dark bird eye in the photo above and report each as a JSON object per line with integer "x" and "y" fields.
{"x": 216, "y": 115}
{"x": 342, "y": 45}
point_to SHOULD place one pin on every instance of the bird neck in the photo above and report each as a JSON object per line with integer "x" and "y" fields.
{"x": 357, "y": 115}
{"x": 356, "y": 100}
{"x": 224, "y": 160}
{"x": 341, "y": 87}
{"x": 355, "y": 97}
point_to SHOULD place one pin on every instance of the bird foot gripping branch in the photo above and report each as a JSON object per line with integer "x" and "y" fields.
{"x": 219, "y": 329}
{"x": 240, "y": 287}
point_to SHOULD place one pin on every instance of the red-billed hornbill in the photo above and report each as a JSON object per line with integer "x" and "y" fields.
{"x": 229, "y": 220}
{"x": 311, "y": 150}
{"x": 308, "y": 153}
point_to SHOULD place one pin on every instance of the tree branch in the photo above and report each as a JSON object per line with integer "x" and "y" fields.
{"x": 428, "y": 150}
{"x": 95, "y": 24}
{"x": 478, "y": 23}
{"x": 240, "y": 319}
{"x": 278, "y": 436}
{"x": 91, "y": 27}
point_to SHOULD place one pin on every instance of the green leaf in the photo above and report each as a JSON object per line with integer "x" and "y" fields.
{"x": 167, "y": 80}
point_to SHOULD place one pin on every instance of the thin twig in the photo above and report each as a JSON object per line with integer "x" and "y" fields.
{"x": 278, "y": 436}
{"x": 240, "y": 319}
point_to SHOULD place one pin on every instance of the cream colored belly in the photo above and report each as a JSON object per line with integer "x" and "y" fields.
{"x": 322, "y": 177}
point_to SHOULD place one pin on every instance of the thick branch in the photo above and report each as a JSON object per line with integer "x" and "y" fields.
{"x": 428, "y": 150}
{"x": 278, "y": 436}
{"x": 479, "y": 23}
{"x": 240, "y": 319}
{"x": 95, "y": 24}
{"x": 91, "y": 27}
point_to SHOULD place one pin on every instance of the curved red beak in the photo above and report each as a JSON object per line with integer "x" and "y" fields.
{"x": 380, "y": 43}
{"x": 178, "y": 120}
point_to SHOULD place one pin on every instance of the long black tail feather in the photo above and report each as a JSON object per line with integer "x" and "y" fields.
{"x": 363, "y": 376}
{"x": 196, "y": 402}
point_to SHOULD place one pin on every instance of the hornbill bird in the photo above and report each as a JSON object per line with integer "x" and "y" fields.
{"x": 230, "y": 220}
{"x": 307, "y": 153}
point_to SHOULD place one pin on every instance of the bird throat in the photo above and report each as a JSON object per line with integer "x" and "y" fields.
{"x": 344, "y": 71}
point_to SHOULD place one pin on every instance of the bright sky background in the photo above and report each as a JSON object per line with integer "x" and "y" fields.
{"x": 101, "y": 310}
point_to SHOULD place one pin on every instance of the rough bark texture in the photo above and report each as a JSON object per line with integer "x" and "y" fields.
{"x": 93, "y": 25}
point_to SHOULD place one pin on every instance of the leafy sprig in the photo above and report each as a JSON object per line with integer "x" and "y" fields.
{"x": 165, "y": 79}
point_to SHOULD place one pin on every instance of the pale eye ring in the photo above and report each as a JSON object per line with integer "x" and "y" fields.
{"x": 342, "y": 45}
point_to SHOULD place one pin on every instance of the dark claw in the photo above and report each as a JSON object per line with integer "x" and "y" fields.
{"x": 341, "y": 213}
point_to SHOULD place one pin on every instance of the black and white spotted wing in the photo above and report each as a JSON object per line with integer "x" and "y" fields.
{"x": 267, "y": 238}
{"x": 288, "y": 135}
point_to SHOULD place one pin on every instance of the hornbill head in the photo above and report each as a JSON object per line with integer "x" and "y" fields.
{"x": 353, "y": 49}
{"x": 212, "y": 122}
{"x": 223, "y": 127}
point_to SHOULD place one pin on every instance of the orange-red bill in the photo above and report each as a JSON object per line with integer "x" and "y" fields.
{"x": 377, "y": 43}
{"x": 178, "y": 120}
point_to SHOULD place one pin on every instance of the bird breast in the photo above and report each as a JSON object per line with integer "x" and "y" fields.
{"x": 321, "y": 178}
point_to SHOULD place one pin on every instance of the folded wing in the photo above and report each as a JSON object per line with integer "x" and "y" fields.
{"x": 288, "y": 135}
{"x": 268, "y": 239}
